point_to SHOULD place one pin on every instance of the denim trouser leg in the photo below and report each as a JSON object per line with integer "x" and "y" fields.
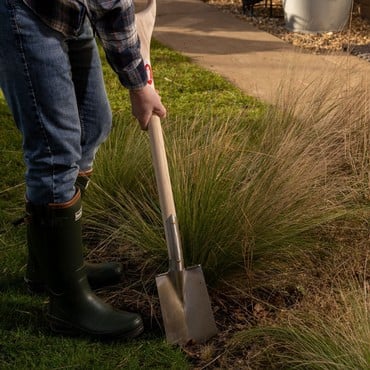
{"x": 55, "y": 89}
{"x": 93, "y": 105}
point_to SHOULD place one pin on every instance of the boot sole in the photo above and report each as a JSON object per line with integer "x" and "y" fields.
{"x": 66, "y": 328}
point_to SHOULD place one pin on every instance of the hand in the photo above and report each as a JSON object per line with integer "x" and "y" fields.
{"x": 144, "y": 103}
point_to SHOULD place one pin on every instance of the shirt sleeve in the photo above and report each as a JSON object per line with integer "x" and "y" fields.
{"x": 114, "y": 23}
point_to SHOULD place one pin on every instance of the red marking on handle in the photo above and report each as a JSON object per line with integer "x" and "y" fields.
{"x": 149, "y": 71}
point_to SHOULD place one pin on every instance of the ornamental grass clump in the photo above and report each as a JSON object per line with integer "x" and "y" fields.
{"x": 123, "y": 204}
{"x": 246, "y": 190}
{"x": 309, "y": 166}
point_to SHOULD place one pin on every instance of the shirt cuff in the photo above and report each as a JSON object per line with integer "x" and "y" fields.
{"x": 135, "y": 77}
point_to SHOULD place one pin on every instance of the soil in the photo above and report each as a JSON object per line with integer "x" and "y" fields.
{"x": 238, "y": 308}
{"x": 357, "y": 33}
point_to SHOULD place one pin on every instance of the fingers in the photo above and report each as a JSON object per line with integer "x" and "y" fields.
{"x": 145, "y": 119}
{"x": 159, "y": 108}
{"x": 160, "y": 111}
{"x": 146, "y": 102}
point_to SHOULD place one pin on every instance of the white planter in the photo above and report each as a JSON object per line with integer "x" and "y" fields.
{"x": 316, "y": 16}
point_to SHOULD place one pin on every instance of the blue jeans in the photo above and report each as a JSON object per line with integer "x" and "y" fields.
{"x": 54, "y": 87}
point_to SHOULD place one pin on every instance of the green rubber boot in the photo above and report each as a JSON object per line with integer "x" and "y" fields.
{"x": 73, "y": 307}
{"x": 98, "y": 274}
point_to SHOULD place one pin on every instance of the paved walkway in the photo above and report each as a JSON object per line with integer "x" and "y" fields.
{"x": 255, "y": 61}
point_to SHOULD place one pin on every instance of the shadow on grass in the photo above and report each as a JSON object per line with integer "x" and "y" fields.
{"x": 12, "y": 284}
{"x": 18, "y": 309}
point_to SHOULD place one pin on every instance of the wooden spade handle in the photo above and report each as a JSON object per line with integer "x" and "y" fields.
{"x": 165, "y": 195}
{"x": 161, "y": 168}
{"x": 145, "y": 21}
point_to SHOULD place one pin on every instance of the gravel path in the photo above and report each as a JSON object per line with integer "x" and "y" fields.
{"x": 357, "y": 33}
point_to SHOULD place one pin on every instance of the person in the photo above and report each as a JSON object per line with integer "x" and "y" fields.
{"x": 51, "y": 77}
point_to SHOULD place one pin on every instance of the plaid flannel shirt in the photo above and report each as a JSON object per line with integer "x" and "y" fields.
{"x": 114, "y": 24}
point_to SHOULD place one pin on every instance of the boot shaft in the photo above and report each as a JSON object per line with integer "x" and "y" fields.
{"x": 83, "y": 180}
{"x": 54, "y": 239}
{"x": 34, "y": 277}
